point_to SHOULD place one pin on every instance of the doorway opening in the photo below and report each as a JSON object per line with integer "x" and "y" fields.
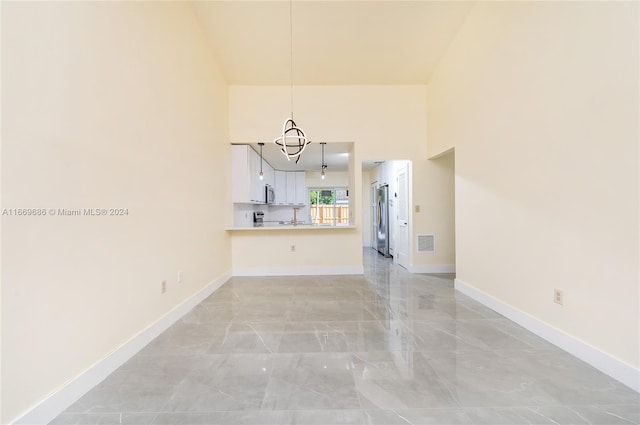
{"x": 387, "y": 219}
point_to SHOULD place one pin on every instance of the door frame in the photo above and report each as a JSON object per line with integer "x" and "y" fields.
{"x": 403, "y": 230}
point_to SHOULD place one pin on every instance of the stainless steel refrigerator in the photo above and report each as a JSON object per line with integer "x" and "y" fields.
{"x": 382, "y": 215}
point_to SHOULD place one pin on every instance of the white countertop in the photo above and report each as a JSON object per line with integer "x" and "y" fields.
{"x": 274, "y": 226}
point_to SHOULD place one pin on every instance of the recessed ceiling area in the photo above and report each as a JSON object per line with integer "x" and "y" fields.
{"x": 334, "y": 42}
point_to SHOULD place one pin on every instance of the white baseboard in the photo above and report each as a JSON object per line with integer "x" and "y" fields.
{"x": 436, "y": 268}
{"x": 298, "y": 271}
{"x": 56, "y": 403}
{"x": 615, "y": 368}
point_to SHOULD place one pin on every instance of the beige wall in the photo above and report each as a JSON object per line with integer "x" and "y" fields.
{"x": 438, "y": 206}
{"x": 332, "y": 179}
{"x": 384, "y": 122}
{"x": 540, "y": 101}
{"x": 104, "y": 105}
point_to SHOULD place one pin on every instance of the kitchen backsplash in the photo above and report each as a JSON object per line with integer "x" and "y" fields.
{"x": 243, "y": 214}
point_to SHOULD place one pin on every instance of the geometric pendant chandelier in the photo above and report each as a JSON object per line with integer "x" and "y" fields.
{"x": 292, "y": 139}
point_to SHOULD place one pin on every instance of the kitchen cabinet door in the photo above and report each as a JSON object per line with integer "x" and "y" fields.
{"x": 301, "y": 188}
{"x": 246, "y": 186}
{"x": 296, "y": 188}
{"x": 240, "y": 191}
{"x": 281, "y": 187}
{"x": 291, "y": 188}
{"x": 257, "y": 185}
{"x": 269, "y": 175}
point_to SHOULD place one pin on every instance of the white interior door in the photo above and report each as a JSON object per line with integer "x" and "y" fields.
{"x": 402, "y": 238}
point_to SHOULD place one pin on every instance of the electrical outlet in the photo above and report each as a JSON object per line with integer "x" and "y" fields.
{"x": 163, "y": 287}
{"x": 558, "y": 296}
{"x": 417, "y": 208}
{"x": 179, "y": 276}
{"x": 293, "y": 248}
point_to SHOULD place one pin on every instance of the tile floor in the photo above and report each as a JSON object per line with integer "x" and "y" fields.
{"x": 385, "y": 348}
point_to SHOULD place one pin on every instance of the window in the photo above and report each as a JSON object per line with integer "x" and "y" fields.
{"x": 329, "y": 206}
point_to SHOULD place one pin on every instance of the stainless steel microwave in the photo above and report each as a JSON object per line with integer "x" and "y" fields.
{"x": 270, "y": 194}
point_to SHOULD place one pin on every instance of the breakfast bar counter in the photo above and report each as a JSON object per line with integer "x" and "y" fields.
{"x": 270, "y": 227}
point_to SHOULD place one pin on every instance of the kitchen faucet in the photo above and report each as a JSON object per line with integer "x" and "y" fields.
{"x": 295, "y": 217}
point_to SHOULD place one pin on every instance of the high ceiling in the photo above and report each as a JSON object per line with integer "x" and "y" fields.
{"x": 334, "y": 42}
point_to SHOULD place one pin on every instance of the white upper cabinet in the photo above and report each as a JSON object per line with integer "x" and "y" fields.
{"x": 280, "y": 187}
{"x": 269, "y": 174}
{"x": 246, "y": 184}
{"x": 301, "y": 188}
{"x": 257, "y": 185}
{"x": 296, "y": 188}
{"x": 289, "y": 186}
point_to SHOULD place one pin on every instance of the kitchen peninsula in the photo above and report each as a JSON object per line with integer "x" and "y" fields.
{"x": 272, "y": 226}
{"x": 292, "y": 220}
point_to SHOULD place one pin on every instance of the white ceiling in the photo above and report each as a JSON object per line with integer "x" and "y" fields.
{"x": 334, "y": 42}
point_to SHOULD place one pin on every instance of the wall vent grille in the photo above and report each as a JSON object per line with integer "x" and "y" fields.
{"x": 426, "y": 243}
